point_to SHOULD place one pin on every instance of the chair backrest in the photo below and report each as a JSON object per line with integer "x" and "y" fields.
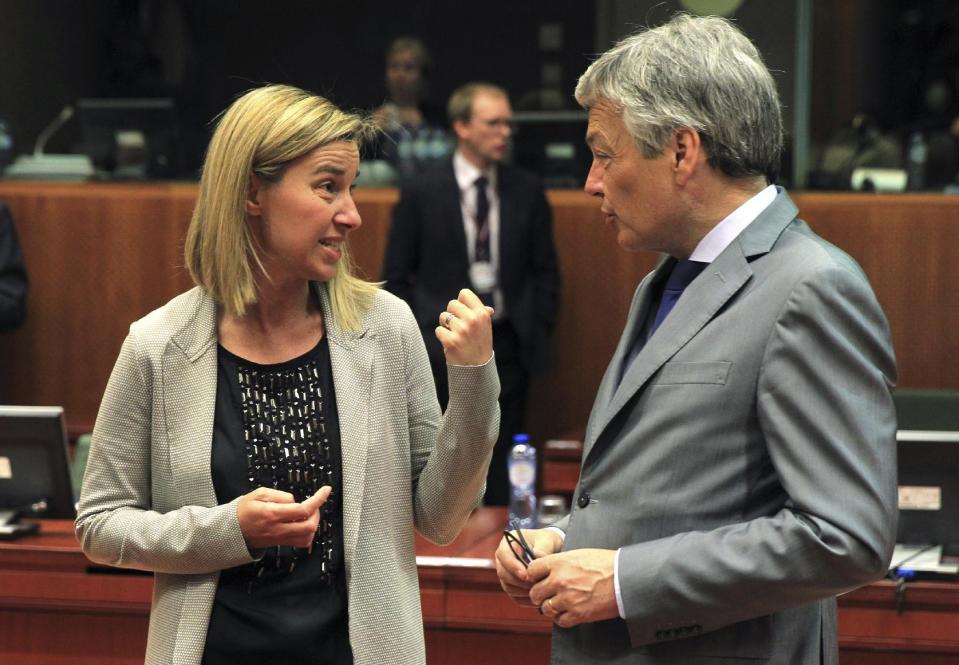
{"x": 79, "y": 463}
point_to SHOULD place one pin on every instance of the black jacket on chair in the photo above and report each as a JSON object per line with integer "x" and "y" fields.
{"x": 13, "y": 275}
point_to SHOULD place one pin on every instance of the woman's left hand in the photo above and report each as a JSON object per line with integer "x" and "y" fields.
{"x": 466, "y": 330}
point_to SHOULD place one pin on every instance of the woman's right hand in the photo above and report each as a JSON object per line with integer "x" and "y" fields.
{"x": 466, "y": 330}
{"x": 270, "y": 517}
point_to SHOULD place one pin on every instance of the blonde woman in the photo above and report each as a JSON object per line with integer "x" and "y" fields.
{"x": 269, "y": 440}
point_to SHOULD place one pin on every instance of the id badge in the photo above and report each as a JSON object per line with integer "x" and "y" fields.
{"x": 483, "y": 277}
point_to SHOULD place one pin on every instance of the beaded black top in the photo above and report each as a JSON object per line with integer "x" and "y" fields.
{"x": 276, "y": 426}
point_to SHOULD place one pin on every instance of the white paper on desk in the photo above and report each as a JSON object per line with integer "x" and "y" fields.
{"x": 921, "y": 558}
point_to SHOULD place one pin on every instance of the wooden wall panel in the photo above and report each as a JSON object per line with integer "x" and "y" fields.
{"x": 98, "y": 258}
{"x": 907, "y": 246}
{"x": 102, "y": 255}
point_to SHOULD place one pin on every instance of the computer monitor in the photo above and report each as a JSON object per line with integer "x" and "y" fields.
{"x": 552, "y": 144}
{"x": 34, "y": 463}
{"x": 929, "y": 488}
{"x": 134, "y": 138}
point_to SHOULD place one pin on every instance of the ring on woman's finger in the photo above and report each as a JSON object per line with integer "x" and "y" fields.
{"x": 549, "y": 605}
{"x": 447, "y": 318}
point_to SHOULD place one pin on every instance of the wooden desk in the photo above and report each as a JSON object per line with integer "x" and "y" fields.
{"x": 926, "y": 633}
{"x": 55, "y": 610}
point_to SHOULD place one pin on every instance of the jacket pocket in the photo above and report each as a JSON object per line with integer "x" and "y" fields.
{"x": 712, "y": 373}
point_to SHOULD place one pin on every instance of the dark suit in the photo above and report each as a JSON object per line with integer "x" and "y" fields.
{"x": 745, "y": 464}
{"x": 427, "y": 263}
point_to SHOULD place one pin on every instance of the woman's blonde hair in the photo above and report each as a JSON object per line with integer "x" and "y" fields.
{"x": 261, "y": 133}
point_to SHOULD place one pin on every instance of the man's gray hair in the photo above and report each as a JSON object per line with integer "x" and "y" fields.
{"x": 701, "y": 73}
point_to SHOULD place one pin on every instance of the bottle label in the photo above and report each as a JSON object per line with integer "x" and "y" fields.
{"x": 522, "y": 474}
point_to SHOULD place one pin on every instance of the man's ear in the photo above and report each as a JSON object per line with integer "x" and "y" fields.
{"x": 459, "y": 128}
{"x": 687, "y": 149}
{"x": 253, "y": 189}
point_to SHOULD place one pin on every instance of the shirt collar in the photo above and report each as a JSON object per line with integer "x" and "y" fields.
{"x": 721, "y": 235}
{"x": 466, "y": 173}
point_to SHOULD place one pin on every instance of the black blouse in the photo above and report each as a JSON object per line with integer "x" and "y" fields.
{"x": 277, "y": 426}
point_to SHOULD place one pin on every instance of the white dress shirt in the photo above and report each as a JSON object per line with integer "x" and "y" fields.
{"x": 466, "y": 174}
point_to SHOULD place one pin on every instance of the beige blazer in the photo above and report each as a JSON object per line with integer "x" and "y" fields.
{"x": 148, "y": 500}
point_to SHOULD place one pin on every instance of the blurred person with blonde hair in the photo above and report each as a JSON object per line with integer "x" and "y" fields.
{"x": 264, "y": 445}
{"x": 414, "y": 133}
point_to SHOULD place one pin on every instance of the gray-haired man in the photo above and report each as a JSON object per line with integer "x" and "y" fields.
{"x": 739, "y": 462}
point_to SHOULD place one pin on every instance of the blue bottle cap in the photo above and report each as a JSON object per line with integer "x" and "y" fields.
{"x": 521, "y": 438}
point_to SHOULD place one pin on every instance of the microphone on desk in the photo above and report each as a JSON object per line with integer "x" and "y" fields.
{"x": 40, "y": 165}
{"x": 65, "y": 114}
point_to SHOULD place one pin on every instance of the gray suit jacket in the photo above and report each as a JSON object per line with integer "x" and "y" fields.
{"x": 746, "y": 463}
{"x": 148, "y": 500}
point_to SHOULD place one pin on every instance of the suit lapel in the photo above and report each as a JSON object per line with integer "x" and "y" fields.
{"x": 351, "y": 357}
{"x": 634, "y": 320}
{"x": 189, "y": 398}
{"x": 450, "y": 217}
{"x": 700, "y": 302}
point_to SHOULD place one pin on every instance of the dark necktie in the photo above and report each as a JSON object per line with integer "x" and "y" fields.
{"x": 683, "y": 273}
{"x": 482, "y": 221}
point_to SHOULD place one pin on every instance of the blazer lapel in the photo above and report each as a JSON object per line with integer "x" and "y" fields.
{"x": 189, "y": 398}
{"x": 450, "y": 216}
{"x": 351, "y": 357}
{"x": 700, "y": 302}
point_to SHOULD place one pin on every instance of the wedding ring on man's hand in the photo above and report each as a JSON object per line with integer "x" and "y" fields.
{"x": 449, "y": 316}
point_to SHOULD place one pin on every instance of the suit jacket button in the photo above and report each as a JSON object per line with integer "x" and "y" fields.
{"x": 583, "y": 500}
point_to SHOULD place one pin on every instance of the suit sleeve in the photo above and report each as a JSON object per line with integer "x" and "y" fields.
{"x": 826, "y": 416}
{"x": 450, "y": 453}
{"x": 116, "y": 524}
{"x": 401, "y": 260}
{"x": 13, "y": 275}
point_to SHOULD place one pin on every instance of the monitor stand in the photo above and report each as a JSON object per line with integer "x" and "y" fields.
{"x": 10, "y": 529}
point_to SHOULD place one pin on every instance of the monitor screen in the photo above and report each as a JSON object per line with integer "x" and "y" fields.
{"x": 929, "y": 488}
{"x": 552, "y": 144}
{"x": 131, "y": 138}
{"x": 34, "y": 462}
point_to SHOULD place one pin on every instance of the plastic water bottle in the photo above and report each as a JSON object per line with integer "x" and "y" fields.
{"x": 916, "y": 162}
{"x": 521, "y": 465}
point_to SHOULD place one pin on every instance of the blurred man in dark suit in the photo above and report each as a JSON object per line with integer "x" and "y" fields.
{"x": 474, "y": 222}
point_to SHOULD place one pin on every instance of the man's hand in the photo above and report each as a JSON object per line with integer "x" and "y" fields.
{"x": 512, "y": 574}
{"x": 574, "y": 587}
{"x": 269, "y": 517}
{"x": 466, "y": 330}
